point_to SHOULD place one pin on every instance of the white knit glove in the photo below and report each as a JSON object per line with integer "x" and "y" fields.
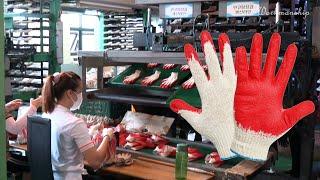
{"x": 216, "y": 118}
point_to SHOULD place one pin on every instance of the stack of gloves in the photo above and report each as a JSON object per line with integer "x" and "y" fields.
{"x": 242, "y": 110}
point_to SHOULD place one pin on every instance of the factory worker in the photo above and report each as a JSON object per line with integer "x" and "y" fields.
{"x": 16, "y": 126}
{"x": 71, "y": 143}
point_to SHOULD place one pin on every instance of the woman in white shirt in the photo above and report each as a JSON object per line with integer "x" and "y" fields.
{"x": 16, "y": 126}
{"x": 71, "y": 143}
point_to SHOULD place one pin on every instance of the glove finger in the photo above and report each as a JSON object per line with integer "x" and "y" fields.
{"x": 297, "y": 112}
{"x": 241, "y": 63}
{"x": 286, "y": 67}
{"x": 210, "y": 55}
{"x": 196, "y": 69}
{"x": 226, "y": 55}
{"x": 272, "y": 56}
{"x": 256, "y": 56}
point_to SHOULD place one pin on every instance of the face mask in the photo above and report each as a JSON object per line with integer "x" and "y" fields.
{"x": 77, "y": 103}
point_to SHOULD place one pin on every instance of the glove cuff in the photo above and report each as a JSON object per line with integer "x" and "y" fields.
{"x": 222, "y": 142}
{"x": 252, "y": 145}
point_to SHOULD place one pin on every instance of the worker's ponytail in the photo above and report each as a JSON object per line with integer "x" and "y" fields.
{"x": 55, "y": 86}
{"x": 48, "y": 95}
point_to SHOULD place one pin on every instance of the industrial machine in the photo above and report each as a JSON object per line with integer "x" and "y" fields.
{"x": 182, "y": 22}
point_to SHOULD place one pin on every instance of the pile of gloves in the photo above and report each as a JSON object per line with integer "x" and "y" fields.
{"x": 167, "y": 150}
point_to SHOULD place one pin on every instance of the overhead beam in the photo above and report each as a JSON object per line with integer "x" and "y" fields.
{"x": 145, "y": 2}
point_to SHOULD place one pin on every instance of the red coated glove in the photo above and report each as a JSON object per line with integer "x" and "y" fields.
{"x": 259, "y": 113}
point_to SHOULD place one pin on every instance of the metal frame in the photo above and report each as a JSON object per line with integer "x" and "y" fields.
{"x": 55, "y": 10}
{"x": 3, "y": 159}
{"x": 129, "y": 57}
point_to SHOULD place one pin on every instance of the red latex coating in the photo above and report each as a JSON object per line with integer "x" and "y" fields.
{"x": 223, "y": 39}
{"x": 190, "y": 52}
{"x": 241, "y": 63}
{"x": 177, "y": 104}
{"x": 258, "y": 101}
{"x": 256, "y": 56}
{"x": 272, "y": 56}
{"x": 205, "y": 37}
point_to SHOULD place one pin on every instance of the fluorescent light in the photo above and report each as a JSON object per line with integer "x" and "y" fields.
{"x": 103, "y": 5}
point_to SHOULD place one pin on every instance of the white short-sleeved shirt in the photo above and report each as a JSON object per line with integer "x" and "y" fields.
{"x": 69, "y": 138}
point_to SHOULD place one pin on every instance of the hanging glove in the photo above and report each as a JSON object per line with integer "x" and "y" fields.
{"x": 259, "y": 113}
{"x": 216, "y": 118}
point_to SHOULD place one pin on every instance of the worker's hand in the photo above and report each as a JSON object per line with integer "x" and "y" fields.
{"x": 13, "y": 105}
{"x": 215, "y": 120}
{"x": 259, "y": 113}
{"x": 37, "y": 102}
{"x": 108, "y": 132}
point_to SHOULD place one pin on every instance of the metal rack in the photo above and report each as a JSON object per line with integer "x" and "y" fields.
{"x": 30, "y": 28}
{"x": 119, "y": 30}
{"x": 3, "y": 171}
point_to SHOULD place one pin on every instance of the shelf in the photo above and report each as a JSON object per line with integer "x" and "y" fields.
{"x": 25, "y": 76}
{"x": 239, "y": 25}
{"x": 32, "y": 69}
{"x": 27, "y": 84}
{"x": 31, "y": 36}
{"x": 36, "y": 15}
{"x": 130, "y": 57}
{"x": 33, "y": 29}
{"x": 186, "y": 25}
{"x": 147, "y": 97}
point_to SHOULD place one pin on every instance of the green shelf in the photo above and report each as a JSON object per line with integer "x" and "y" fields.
{"x": 103, "y": 108}
{"x": 24, "y": 95}
{"x": 191, "y": 96}
{"x": 41, "y": 57}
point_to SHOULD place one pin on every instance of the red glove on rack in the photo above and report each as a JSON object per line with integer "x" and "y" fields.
{"x": 259, "y": 113}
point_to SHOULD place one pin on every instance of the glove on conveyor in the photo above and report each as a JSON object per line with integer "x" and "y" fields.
{"x": 167, "y": 151}
{"x": 152, "y": 65}
{"x": 170, "y": 81}
{"x": 189, "y": 83}
{"x": 169, "y": 66}
{"x": 216, "y": 118}
{"x": 137, "y": 141}
{"x": 213, "y": 159}
{"x": 185, "y": 68}
{"x": 132, "y": 78}
{"x": 259, "y": 113}
{"x": 149, "y": 80}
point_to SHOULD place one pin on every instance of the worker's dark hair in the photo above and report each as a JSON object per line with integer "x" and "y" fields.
{"x": 55, "y": 86}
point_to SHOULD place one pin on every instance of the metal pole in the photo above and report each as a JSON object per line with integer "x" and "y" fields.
{"x": 293, "y": 9}
{"x": 54, "y": 16}
{"x": 277, "y": 15}
{"x": 41, "y": 27}
{"x": 3, "y": 159}
{"x": 148, "y": 33}
{"x": 307, "y": 134}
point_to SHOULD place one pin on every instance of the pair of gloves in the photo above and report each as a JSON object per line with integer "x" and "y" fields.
{"x": 242, "y": 111}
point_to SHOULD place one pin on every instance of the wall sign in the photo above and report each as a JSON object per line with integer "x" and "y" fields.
{"x": 243, "y": 8}
{"x": 178, "y": 10}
